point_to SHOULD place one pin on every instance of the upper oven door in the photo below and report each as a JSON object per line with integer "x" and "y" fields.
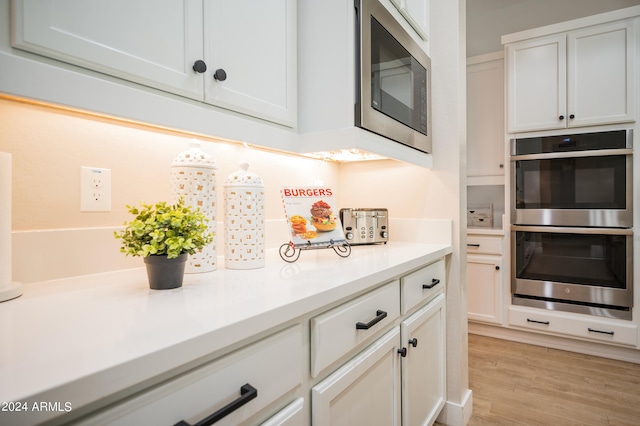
{"x": 591, "y": 188}
{"x": 394, "y": 75}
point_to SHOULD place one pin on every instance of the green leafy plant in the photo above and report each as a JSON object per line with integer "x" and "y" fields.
{"x": 164, "y": 229}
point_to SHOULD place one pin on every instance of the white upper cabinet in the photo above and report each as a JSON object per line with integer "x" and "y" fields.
{"x": 254, "y": 44}
{"x": 572, "y": 79}
{"x": 601, "y": 94}
{"x": 485, "y": 116}
{"x": 536, "y": 78}
{"x": 176, "y": 46}
{"x": 416, "y": 12}
{"x": 155, "y": 46}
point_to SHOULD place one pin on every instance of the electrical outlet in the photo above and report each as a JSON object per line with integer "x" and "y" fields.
{"x": 95, "y": 189}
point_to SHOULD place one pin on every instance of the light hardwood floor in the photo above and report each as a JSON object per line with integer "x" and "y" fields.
{"x": 518, "y": 384}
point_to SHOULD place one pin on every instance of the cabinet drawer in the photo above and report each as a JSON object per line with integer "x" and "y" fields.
{"x": 271, "y": 366}
{"x": 598, "y": 329}
{"x": 422, "y": 284}
{"x": 336, "y": 332}
{"x": 485, "y": 244}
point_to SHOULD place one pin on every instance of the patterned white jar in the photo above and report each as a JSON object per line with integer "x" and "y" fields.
{"x": 193, "y": 177}
{"x": 244, "y": 216}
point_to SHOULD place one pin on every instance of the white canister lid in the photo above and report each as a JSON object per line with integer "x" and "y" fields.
{"x": 244, "y": 177}
{"x": 194, "y": 157}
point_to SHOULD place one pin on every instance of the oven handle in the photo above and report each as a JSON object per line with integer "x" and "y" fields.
{"x": 572, "y": 154}
{"x": 570, "y": 230}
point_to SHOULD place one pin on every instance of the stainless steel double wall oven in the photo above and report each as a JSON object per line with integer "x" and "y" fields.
{"x": 571, "y": 236}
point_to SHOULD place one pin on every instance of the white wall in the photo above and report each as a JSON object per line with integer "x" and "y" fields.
{"x": 49, "y": 145}
{"x": 488, "y": 20}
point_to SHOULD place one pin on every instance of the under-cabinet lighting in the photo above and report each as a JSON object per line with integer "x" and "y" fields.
{"x": 339, "y": 155}
{"x": 345, "y": 155}
{"x": 146, "y": 126}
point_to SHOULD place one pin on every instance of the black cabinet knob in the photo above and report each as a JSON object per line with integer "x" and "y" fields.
{"x": 413, "y": 342}
{"x": 572, "y": 116}
{"x": 402, "y": 352}
{"x": 199, "y": 66}
{"x": 220, "y": 75}
{"x": 497, "y": 268}
{"x": 561, "y": 117}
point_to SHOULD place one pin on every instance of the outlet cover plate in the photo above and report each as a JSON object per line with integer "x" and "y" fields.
{"x": 95, "y": 189}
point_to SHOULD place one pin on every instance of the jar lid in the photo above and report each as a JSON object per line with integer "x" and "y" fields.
{"x": 243, "y": 177}
{"x": 194, "y": 157}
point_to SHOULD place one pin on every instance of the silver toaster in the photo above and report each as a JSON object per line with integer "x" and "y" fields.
{"x": 365, "y": 226}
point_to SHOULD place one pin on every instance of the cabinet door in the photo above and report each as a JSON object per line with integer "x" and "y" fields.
{"x": 153, "y": 44}
{"x": 254, "y": 43}
{"x": 423, "y": 367}
{"x": 364, "y": 391}
{"x": 536, "y": 84}
{"x": 416, "y": 12}
{"x": 484, "y": 288}
{"x": 601, "y": 73}
{"x": 485, "y": 119}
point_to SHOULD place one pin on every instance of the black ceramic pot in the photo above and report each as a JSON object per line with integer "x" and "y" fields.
{"x": 164, "y": 273}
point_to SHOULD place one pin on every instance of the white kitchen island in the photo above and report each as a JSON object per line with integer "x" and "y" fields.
{"x": 73, "y": 346}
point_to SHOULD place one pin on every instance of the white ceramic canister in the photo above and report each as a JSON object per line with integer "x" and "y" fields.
{"x": 244, "y": 220}
{"x": 193, "y": 177}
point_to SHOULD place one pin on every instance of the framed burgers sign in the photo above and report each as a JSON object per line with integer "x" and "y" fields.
{"x": 312, "y": 216}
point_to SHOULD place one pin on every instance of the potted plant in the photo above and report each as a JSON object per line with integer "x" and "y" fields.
{"x": 164, "y": 235}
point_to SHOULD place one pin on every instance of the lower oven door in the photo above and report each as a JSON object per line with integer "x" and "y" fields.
{"x": 585, "y": 270}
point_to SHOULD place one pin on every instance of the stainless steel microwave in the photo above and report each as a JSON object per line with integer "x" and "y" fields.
{"x": 393, "y": 76}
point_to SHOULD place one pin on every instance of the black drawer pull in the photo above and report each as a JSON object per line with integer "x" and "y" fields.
{"x": 593, "y": 330}
{"x": 538, "y": 322}
{"x": 380, "y": 315}
{"x": 473, "y": 245}
{"x": 434, "y": 282}
{"x": 247, "y": 393}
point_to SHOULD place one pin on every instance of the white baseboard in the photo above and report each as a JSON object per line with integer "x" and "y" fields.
{"x": 454, "y": 414}
{"x": 564, "y": 343}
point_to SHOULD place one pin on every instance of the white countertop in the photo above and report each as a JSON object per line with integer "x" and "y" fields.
{"x": 81, "y": 339}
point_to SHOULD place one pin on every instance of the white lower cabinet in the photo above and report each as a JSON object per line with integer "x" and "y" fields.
{"x": 367, "y": 361}
{"x": 484, "y": 288}
{"x": 399, "y": 378}
{"x": 585, "y": 327}
{"x": 229, "y": 390}
{"x": 485, "y": 277}
{"x": 364, "y": 391}
{"x": 339, "y": 330}
{"x": 423, "y": 367}
{"x": 421, "y": 285}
